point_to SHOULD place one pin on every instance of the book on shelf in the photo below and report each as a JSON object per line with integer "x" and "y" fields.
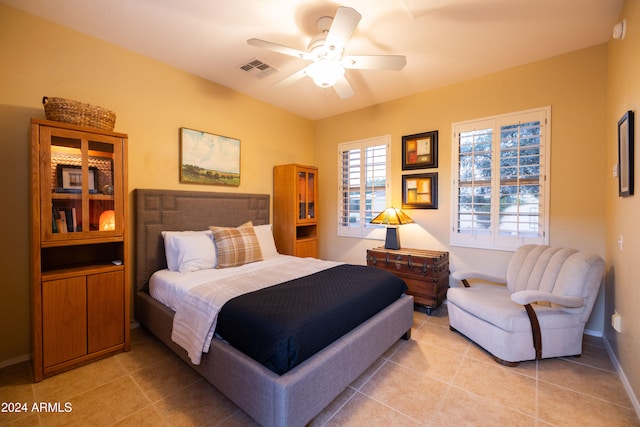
{"x": 61, "y": 221}
{"x": 64, "y": 220}
{"x": 68, "y": 216}
{"x": 74, "y": 219}
{"x": 55, "y": 216}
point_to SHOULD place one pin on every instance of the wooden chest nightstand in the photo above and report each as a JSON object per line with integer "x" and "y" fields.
{"x": 425, "y": 272}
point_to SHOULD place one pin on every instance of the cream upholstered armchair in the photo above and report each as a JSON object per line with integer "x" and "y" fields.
{"x": 540, "y": 310}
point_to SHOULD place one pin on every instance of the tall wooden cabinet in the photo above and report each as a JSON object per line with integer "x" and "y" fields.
{"x": 80, "y": 260}
{"x": 295, "y": 209}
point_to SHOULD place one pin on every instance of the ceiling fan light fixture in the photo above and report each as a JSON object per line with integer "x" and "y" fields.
{"x": 325, "y": 73}
{"x": 325, "y": 51}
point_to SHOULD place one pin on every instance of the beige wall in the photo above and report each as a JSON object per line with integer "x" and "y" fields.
{"x": 152, "y": 102}
{"x": 623, "y": 214}
{"x": 574, "y": 85}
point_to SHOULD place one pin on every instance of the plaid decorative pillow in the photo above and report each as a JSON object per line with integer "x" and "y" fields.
{"x": 236, "y": 246}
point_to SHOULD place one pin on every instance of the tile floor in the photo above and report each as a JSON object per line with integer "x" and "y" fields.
{"x": 438, "y": 378}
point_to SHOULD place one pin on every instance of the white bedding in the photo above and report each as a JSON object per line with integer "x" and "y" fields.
{"x": 197, "y": 297}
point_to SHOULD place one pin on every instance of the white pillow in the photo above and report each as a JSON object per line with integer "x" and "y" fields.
{"x": 188, "y": 251}
{"x": 265, "y": 240}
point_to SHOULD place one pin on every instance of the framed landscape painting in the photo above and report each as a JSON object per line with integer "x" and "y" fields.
{"x": 206, "y": 158}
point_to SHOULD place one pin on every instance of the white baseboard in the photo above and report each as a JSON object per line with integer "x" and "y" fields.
{"x": 593, "y": 333}
{"x": 623, "y": 378}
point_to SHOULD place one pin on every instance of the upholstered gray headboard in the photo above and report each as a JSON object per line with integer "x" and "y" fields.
{"x": 173, "y": 210}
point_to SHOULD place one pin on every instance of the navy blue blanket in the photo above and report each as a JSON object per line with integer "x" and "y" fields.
{"x": 283, "y": 325}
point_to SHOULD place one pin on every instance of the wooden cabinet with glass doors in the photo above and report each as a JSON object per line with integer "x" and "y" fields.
{"x": 80, "y": 291}
{"x": 295, "y": 209}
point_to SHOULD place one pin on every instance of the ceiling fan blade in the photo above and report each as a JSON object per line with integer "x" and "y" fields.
{"x": 343, "y": 88}
{"x": 275, "y": 47}
{"x": 291, "y": 79}
{"x": 375, "y": 62}
{"x": 342, "y": 27}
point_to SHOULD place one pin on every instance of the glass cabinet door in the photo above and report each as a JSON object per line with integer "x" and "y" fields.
{"x": 101, "y": 186}
{"x": 82, "y": 193}
{"x": 306, "y": 195}
{"x": 311, "y": 203}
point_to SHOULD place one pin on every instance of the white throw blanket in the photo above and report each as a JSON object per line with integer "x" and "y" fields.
{"x": 196, "y": 315}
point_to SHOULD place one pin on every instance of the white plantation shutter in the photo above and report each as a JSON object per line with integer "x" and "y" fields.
{"x": 363, "y": 180}
{"x": 501, "y": 180}
{"x": 473, "y": 219}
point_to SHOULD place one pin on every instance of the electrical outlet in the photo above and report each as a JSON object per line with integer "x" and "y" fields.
{"x": 616, "y": 322}
{"x": 621, "y": 241}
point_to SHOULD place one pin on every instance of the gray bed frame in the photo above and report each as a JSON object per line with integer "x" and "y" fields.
{"x": 292, "y": 399}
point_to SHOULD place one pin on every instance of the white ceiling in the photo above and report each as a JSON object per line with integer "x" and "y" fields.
{"x": 444, "y": 41}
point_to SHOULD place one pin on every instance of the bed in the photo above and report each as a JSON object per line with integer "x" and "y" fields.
{"x": 293, "y": 398}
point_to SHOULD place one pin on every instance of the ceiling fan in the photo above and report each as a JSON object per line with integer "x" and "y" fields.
{"x": 326, "y": 50}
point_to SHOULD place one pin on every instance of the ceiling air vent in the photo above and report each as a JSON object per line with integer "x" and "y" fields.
{"x": 258, "y": 68}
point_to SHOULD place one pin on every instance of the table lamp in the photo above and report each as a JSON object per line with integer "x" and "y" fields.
{"x": 392, "y": 217}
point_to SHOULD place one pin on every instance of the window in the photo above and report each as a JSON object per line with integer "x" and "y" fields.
{"x": 363, "y": 181}
{"x": 501, "y": 180}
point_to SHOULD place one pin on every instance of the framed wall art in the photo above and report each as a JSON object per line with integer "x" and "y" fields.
{"x": 420, "y": 191}
{"x": 210, "y": 159}
{"x": 625, "y": 155}
{"x": 70, "y": 179}
{"x": 420, "y": 151}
